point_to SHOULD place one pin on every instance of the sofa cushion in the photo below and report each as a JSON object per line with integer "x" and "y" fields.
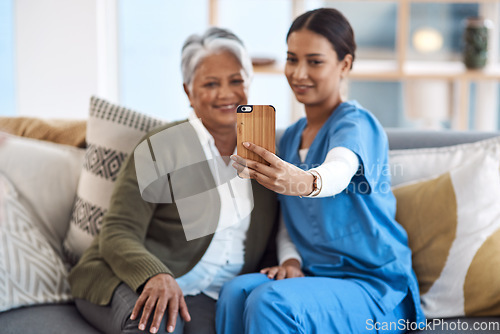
{"x": 453, "y": 225}
{"x": 45, "y": 319}
{"x": 46, "y": 175}
{"x": 112, "y": 134}
{"x": 31, "y": 272}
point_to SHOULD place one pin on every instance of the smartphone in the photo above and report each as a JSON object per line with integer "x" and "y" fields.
{"x": 256, "y": 124}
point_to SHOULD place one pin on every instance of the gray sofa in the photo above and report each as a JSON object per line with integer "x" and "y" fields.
{"x": 64, "y": 318}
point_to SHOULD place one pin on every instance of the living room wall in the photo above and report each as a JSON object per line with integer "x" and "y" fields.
{"x": 54, "y": 54}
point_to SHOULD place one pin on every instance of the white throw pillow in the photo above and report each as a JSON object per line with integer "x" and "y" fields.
{"x": 46, "y": 175}
{"x": 112, "y": 134}
{"x": 31, "y": 272}
{"x": 423, "y": 163}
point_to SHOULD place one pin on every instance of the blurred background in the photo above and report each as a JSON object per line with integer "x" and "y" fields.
{"x": 55, "y": 54}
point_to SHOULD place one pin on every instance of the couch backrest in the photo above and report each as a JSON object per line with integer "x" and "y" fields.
{"x": 400, "y": 139}
{"x": 408, "y": 138}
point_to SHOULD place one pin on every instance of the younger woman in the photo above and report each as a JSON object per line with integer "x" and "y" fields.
{"x": 337, "y": 206}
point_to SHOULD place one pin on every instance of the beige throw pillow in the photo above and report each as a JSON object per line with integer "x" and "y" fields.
{"x": 453, "y": 225}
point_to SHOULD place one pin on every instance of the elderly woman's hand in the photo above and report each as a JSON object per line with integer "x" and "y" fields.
{"x": 161, "y": 291}
{"x": 280, "y": 176}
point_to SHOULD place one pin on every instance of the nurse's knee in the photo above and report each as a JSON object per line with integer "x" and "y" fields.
{"x": 240, "y": 287}
{"x": 268, "y": 299}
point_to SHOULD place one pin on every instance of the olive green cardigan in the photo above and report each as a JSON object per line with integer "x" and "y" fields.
{"x": 139, "y": 240}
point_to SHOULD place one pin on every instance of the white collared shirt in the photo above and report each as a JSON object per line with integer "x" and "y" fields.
{"x": 224, "y": 257}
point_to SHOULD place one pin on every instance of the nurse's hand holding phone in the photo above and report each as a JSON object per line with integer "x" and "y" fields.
{"x": 278, "y": 175}
{"x": 256, "y": 159}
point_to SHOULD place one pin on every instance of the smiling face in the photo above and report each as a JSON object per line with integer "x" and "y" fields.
{"x": 217, "y": 88}
{"x": 313, "y": 70}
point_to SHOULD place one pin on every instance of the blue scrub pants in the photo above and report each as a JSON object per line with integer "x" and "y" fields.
{"x": 254, "y": 304}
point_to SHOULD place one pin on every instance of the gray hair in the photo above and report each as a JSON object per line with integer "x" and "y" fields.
{"x": 214, "y": 40}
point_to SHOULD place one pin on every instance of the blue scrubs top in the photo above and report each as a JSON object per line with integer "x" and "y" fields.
{"x": 353, "y": 234}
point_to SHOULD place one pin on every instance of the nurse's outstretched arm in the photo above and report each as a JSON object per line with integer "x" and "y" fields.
{"x": 334, "y": 174}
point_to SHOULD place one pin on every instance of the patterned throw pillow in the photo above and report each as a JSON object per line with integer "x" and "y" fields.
{"x": 46, "y": 175}
{"x": 31, "y": 272}
{"x": 112, "y": 134}
{"x": 453, "y": 225}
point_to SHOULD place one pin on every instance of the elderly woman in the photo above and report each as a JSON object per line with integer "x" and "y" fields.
{"x": 151, "y": 268}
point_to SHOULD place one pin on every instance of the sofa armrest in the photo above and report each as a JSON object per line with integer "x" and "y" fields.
{"x": 68, "y": 132}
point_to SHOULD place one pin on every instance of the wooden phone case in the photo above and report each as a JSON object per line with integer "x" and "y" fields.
{"x": 257, "y": 126}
